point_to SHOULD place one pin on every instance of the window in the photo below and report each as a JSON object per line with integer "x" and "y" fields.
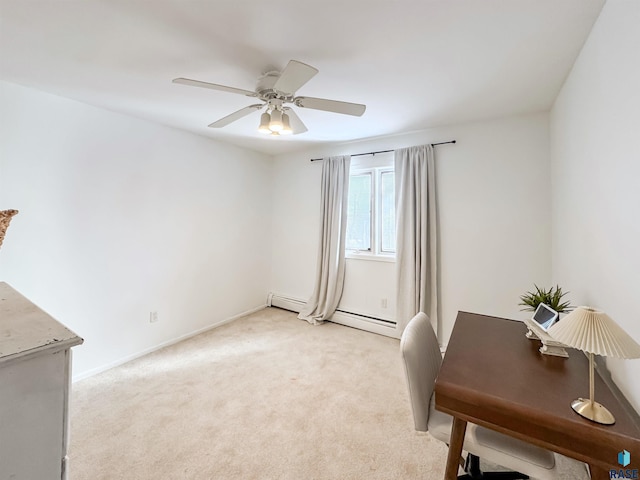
{"x": 371, "y": 215}
{"x": 359, "y": 212}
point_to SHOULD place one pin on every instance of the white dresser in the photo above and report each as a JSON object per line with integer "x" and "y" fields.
{"x": 35, "y": 380}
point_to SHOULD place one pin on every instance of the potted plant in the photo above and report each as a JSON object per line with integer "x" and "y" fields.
{"x": 551, "y": 297}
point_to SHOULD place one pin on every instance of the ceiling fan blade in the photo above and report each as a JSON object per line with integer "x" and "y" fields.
{"x": 294, "y": 75}
{"x": 243, "y": 112}
{"x": 213, "y": 86}
{"x": 355, "y": 109}
{"x": 294, "y": 121}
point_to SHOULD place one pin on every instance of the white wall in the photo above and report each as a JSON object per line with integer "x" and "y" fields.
{"x": 119, "y": 217}
{"x": 494, "y": 200}
{"x": 595, "y": 133}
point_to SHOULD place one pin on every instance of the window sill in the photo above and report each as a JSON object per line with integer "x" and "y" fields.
{"x": 351, "y": 255}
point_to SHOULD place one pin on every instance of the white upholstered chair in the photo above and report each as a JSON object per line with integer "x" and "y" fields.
{"x": 422, "y": 359}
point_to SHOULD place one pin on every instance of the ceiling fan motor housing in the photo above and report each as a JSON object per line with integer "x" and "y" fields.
{"x": 267, "y": 81}
{"x": 265, "y": 88}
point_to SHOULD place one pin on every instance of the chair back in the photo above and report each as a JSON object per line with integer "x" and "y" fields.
{"x": 422, "y": 359}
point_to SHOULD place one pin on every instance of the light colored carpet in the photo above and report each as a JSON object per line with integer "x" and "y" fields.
{"x": 267, "y": 396}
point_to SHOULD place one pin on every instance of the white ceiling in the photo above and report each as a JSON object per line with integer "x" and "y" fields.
{"x": 415, "y": 64}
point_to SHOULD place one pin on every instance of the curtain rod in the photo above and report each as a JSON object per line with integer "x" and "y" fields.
{"x": 383, "y": 151}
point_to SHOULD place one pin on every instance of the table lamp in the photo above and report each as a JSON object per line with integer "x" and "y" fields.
{"x": 595, "y": 333}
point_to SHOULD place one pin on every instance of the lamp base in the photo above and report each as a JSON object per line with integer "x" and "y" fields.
{"x": 594, "y": 411}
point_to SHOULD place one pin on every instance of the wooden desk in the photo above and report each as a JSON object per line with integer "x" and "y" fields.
{"x": 495, "y": 377}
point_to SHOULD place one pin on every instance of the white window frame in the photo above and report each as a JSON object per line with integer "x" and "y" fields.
{"x": 378, "y": 209}
{"x": 375, "y": 169}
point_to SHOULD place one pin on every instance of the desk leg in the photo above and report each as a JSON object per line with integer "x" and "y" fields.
{"x": 598, "y": 473}
{"x": 455, "y": 448}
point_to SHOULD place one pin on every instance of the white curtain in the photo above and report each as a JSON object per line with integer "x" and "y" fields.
{"x": 416, "y": 236}
{"x": 329, "y": 280}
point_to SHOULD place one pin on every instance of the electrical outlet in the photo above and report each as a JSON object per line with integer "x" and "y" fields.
{"x": 383, "y": 303}
{"x": 153, "y": 317}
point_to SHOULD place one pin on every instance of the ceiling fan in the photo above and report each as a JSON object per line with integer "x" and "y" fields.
{"x": 276, "y": 90}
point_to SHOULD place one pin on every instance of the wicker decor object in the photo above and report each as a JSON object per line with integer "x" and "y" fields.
{"x": 5, "y": 218}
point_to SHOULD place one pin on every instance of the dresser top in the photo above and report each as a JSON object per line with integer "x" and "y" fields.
{"x": 25, "y": 329}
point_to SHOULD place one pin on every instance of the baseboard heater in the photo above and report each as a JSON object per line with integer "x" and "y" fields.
{"x": 352, "y": 319}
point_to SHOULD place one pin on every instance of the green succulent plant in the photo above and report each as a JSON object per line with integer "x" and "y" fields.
{"x": 551, "y": 297}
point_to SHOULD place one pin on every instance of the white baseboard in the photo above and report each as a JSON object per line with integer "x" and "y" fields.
{"x": 343, "y": 318}
{"x": 286, "y": 302}
{"x": 128, "y": 358}
{"x": 364, "y": 323}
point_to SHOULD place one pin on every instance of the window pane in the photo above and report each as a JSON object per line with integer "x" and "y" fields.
{"x": 387, "y": 212}
{"x": 359, "y": 213}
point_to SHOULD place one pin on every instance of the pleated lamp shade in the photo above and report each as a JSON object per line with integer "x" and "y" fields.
{"x": 593, "y": 331}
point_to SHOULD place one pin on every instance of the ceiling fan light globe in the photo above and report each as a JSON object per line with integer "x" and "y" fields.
{"x": 276, "y": 121}
{"x": 286, "y": 127}
{"x": 264, "y": 123}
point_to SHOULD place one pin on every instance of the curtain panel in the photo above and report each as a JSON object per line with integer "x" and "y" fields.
{"x": 329, "y": 280}
{"x": 416, "y": 236}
